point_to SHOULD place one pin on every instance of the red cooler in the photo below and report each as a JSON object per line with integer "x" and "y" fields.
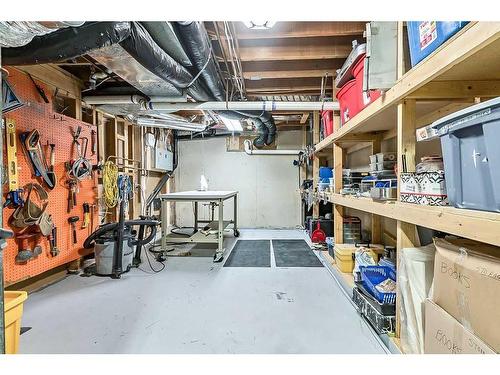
{"x": 327, "y": 117}
{"x": 348, "y": 101}
{"x": 364, "y": 98}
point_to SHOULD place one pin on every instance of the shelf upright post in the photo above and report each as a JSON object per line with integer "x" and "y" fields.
{"x": 406, "y": 233}
{"x": 338, "y": 162}
{"x": 316, "y": 124}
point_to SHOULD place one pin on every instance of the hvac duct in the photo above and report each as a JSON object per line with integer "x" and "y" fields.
{"x": 67, "y": 43}
{"x": 197, "y": 45}
{"x": 195, "y": 41}
{"x": 164, "y": 35}
{"x": 144, "y": 49}
{"x": 16, "y": 34}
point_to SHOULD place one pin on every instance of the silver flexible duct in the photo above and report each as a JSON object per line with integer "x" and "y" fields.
{"x": 19, "y": 33}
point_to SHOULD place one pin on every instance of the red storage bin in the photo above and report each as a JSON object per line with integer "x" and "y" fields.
{"x": 349, "y": 101}
{"x": 364, "y": 98}
{"x": 327, "y": 117}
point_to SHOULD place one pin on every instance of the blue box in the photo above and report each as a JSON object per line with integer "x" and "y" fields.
{"x": 424, "y": 37}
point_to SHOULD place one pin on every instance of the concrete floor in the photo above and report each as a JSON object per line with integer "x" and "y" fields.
{"x": 196, "y": 306}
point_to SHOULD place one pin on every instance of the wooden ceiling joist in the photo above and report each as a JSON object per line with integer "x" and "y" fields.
{"x": 301, "y": 30}
{"x": 287, "y": 74}
{"x": 295, "y": 49}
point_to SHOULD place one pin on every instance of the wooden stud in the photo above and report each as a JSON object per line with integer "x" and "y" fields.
{"x": 316, "y": 124}
{"x": 376, "y": 228}
{"x": 338, "y": 166}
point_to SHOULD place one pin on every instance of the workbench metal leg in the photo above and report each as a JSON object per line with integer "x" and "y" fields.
{"x": 164, "y": 224}
{"x": 236, "y": 232}
{"x": 219, "y": 255}
{"x": 195, "y": 217}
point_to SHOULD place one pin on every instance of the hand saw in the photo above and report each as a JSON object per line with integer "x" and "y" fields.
{"x": 31, "y": 143}
{"x": 14, "y": 196}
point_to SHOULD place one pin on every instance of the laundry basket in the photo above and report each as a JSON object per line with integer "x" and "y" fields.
{"x": 14, "y": 301}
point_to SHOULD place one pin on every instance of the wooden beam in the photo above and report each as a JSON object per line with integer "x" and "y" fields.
{"x": 52, "y": 75}
{"x": 269, "y": 74}
{"x": 330, "y": 49}
{"x": 304, "y": 117}
{"x": 457, "y": 90}
{"x": 285, "y": 84}
{"x": 329, "y": 65}
{"x": 301, "y": 30}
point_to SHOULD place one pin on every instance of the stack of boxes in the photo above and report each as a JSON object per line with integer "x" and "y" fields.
{"x": 462, "y": 316}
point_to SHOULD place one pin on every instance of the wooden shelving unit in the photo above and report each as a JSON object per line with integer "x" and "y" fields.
{"x": 462, "y": 71}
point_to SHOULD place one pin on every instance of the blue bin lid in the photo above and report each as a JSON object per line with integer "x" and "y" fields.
{"x": 463, "y": 118}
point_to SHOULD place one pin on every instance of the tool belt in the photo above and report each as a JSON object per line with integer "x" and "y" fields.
{"x": 33, "y": 212}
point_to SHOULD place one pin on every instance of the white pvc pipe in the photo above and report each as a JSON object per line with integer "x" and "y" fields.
{"x": 247, "y": 106}
{"x": 115, "y": 99}
{"x": 250, "y": 151}
{"x": 169, "y": 124}
{"x": 162, "y": 104}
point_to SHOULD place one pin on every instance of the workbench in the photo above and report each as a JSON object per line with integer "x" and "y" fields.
{"x": 213, "y": 231}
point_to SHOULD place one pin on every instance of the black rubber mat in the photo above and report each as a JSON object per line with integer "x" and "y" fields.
{"x": 294, "y": 253}
{"x": 250, "y": 253}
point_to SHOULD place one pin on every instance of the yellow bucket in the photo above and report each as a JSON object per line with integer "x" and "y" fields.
{"x": 13, "y": 312}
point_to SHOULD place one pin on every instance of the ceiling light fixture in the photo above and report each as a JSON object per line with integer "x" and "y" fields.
{"x": 232, "y": 125}
{"x": 259, "y": 25}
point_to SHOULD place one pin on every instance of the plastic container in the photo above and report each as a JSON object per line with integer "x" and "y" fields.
{"x": 374, "y": 275}
{"x": 14, "y": 301}
{"x": 373, "y": 159}
{"x": 385, "y": 156}
{"x": 424, "y": 37}
{"x": 344, "y": 255}
{"x": 327, "y": 118}
{"x": 469, "y": 141}
{"x": 364, "y": 98}
{"x": 322, "y": 186}
{"x": 348, "y": 101}
{"x": 325, "y": 173}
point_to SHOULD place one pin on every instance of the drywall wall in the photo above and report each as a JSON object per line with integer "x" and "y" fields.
{"x": 267, "y": 185}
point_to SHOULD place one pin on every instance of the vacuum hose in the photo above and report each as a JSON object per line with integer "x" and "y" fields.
{"x": 89, "y": 242}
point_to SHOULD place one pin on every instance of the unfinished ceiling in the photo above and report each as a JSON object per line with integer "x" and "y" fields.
{"x": 288, "y": 61}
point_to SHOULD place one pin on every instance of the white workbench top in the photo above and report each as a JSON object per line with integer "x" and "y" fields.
{"x": 199, "y": 195}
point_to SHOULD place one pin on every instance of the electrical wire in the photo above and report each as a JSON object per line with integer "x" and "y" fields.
{"x": 110, "y": 184}
{"x": 149, "y": 249}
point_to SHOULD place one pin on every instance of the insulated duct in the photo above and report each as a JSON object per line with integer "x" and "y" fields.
{"x": 67, "y": 43}
{"x": 124, "y": 47}
{"x": 197, "y": 45}
{"x": 164, "y": 35}
{"x": 143, "y": 48}
{"x": 16, "y": 34}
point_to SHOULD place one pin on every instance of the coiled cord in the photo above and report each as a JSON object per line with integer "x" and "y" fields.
{"x": 110, "y": 184}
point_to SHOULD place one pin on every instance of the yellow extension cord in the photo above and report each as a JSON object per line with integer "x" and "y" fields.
{"x": 110, "y": 184}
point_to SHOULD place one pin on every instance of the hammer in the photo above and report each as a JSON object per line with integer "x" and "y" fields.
{"x": 72, "y": 220}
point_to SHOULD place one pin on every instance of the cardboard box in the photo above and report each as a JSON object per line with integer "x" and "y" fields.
{"x": 467, "y": 286}
{"x": 445, "y": 335}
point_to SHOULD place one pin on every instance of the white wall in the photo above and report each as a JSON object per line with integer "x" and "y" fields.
{"x": 267, "y": 185}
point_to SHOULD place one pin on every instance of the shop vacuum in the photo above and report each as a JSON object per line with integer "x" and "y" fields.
{"x": 114, "y": 244}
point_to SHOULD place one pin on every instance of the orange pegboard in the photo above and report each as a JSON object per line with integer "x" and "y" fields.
{"x": 57, "y": 129}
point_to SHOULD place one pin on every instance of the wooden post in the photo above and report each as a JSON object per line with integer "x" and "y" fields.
{"x": 406, "y": 141}
{"x": 338, "y": 163}
{"x": 315, "y": 161}
{"x": 376, "y": 219}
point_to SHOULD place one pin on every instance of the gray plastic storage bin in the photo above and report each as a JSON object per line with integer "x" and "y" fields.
{"x": 470, "y": 140}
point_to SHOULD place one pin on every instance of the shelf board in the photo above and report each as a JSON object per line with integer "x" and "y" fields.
{"x": 477, "y": 225}
{"x": 457, "y": 59}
